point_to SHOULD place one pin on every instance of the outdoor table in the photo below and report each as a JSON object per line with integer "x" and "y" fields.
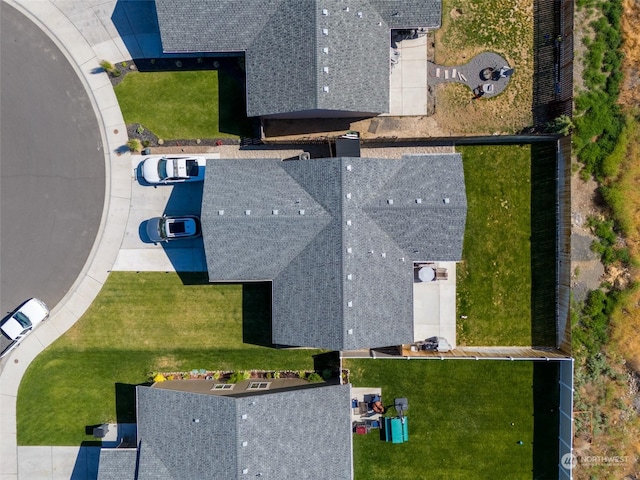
{"x": 426, "y": 274}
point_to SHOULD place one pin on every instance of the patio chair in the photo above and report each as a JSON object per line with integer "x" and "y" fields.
{"x": 487, "y": 88}
{"x": 441, "y": 274}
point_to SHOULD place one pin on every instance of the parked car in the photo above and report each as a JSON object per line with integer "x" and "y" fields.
{"x": 20, "y": 323}
{"x": 173, "y": 169}
{"x": 163, "y": 229}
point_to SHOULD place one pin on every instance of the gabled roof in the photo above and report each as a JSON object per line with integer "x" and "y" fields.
{"x": 337, "y": 238}
{"x": 297, "y": 434}
{"x": 300, "y": 55}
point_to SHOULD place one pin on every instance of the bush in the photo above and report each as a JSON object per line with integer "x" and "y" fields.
{"x": 134, "y": 145}
{"x": 239, "y": 376}
{"x": 314, "y": 377}
{"x": 327, "y": 374}
{"x": 107, "y": 66}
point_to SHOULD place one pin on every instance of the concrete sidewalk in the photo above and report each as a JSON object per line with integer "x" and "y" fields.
{"x": 82, "y": 32}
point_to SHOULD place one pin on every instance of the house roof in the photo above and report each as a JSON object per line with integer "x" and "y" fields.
{"x": 300, "y": 55}
{"x": 337, "y": 238}
{"x": 297, "y": 434}
{"x": 117, "y": 464}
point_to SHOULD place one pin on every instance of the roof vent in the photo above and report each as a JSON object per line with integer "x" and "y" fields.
{"x": 348, "y": 195}
{"x": 325, "y": 11}
{"x": 325, "y": 69}
{"x": 245, "y": 471}
{"x": 390, "y": 201}
{"x": 360, "y": 14}
{"x": 379, "y": 24}
{"x": 325, "y": 88}
{"x": 247, "y": 212}
{"x": 221, "y": 212}
{"x": 348, "y": 168}
{"x": 349, "y": 277}
{"x": 370, "y": 252}
{"x": 445, "y": 200}
{"x": 418, "y": 200}
{"x": 350, "y": 304}
{"x": 274, "y": 212}
{"x": 196, "y": 420}
{"x": 402, "y": 259}
{"x": 301, "y": 212}
{"x": 384, "y": 254}
{"x": 244, "y": 444}
{"x": 349, "y": 222}
{"x": 346, "y": 9}
{"x": 325, "y": 31}
{"x": 350, "y": 331}
{"x": 325, "y": 50}
{"x": 349, "y": 250}
{"x": 244, "y": 416}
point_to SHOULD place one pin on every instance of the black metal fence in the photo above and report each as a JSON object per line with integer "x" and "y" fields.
{"x": 553, "y": 60}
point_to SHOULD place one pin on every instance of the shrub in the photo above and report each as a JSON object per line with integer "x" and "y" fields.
{"x": 134, "y": 145}
{"x": 159, "y": 378}
{"x": 107, "y": 66}
{"x": 140, "y": 130}
{"x": 146, "y": 143}
{"x": 314, "y": 377}
{"x": 239, "y": 376}
{"x": 327, "y": 374}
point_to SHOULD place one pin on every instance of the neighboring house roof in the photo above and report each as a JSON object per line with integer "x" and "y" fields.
{"x": 297, "y": 434}
{"x": 337, "y": 238}
{"x": 300, "y": 55}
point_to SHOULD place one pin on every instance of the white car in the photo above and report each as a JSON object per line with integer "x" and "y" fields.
{"x": 20, "y": 323}
{"x": 173, "y": 169}
{"x": 163, "y": 229}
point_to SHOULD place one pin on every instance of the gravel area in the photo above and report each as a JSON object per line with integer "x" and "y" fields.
{"x": 282, "y": 151}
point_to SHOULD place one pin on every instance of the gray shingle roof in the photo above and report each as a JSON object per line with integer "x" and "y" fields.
{"x": 117, "y": 464}
{"x": 298, "y": 434}
{"x": 342, "y": 272}
{"x": 297, "y": 49}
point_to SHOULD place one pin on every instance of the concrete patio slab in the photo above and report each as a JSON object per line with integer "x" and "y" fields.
{"x": 434, "y": 307}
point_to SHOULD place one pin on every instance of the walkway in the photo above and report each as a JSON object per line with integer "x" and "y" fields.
{"x": 471, "y": 73}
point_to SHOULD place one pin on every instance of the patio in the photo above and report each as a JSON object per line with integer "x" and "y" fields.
{"x": 434, "y": 305}
{"x": 408, "y": 78}
{"x": 362, "y": 397}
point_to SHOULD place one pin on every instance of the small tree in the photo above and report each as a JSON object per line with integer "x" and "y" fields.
{"x": 561, "y": 125}
{"x": 134, "y": 145}
{"x": 107, "y": 66}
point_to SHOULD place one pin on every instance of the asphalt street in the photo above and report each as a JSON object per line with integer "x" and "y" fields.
{"x": 52, "y": 167}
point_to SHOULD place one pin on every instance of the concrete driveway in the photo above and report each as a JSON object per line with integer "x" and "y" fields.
{"x": 137, "y": 253}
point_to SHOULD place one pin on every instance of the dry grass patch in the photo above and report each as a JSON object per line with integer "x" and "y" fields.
{"x": 469, "y": 28}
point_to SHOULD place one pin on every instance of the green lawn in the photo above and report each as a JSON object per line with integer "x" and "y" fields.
{"x": 460, "y": 415}
{"x": 185, "y": 104}
{"x": 141, "y": 323}
{"x": 494, "y": 277}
